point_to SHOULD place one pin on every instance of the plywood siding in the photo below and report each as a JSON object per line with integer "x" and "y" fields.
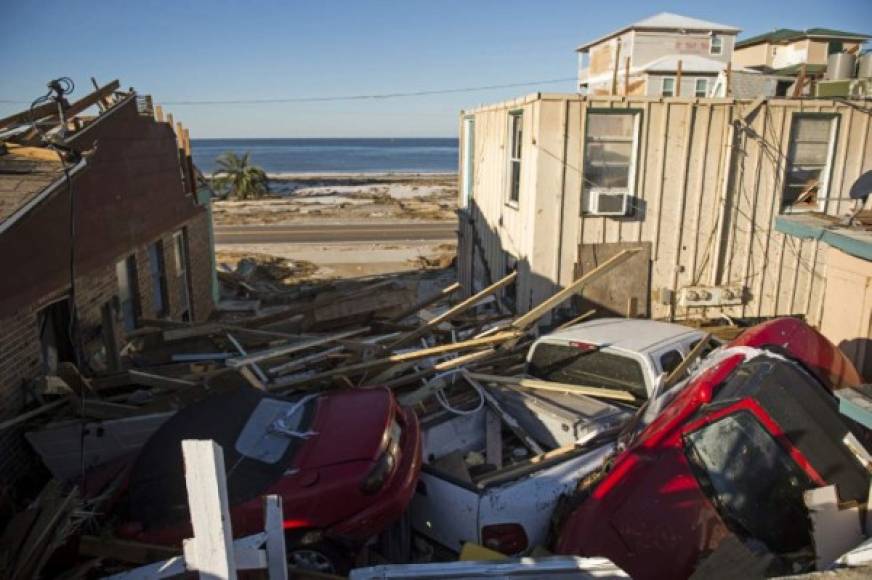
{"x": 707, "y": 199}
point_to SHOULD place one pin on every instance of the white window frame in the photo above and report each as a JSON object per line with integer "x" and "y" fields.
{"x": 720, "y": 45}
{"x": 826, "y": 173}
{"x": 630, "y": 190}
{"x": 512, "y": 159}
{"x": 181, "y": 258}
{"x": 663, "y": 86}
{"x": 468, "y": 159}
{"x": 696, "y": 87}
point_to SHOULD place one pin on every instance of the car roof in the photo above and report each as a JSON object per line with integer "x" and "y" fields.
{"x": 623, "y": 333}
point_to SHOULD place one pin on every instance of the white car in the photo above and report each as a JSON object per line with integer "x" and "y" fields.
{"x": 615, "y": 353}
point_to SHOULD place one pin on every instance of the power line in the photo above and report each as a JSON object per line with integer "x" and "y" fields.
{"x": 376, "y": 96}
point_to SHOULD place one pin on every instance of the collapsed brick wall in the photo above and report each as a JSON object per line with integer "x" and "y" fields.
{"x": 20, "y": 349}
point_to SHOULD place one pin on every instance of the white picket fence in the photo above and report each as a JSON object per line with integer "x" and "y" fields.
{"x": 212, "y": 552}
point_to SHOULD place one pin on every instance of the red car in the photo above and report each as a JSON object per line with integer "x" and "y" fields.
{"x": 345, "y": 464}
{"x": 730, "y": 454}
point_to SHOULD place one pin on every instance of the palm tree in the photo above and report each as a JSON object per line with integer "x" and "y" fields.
{"x": 237, "y": 178}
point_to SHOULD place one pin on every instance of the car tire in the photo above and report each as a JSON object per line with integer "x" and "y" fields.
{"x": 323, "y": 557}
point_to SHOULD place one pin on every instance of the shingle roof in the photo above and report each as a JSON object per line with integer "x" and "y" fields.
{"x": 669, "y": 21}
{"x": 29, "y": 175}
{"x": 24, "y": 173}
{"x": 789, "y": 34}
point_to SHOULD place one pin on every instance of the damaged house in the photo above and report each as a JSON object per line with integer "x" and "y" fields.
{"x": 99, "y": 233}
{"x": 554, "y": 184}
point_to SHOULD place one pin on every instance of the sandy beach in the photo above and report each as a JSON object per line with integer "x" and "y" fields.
{"x": 343, "y": 198}
{"x": 311, "y": 198}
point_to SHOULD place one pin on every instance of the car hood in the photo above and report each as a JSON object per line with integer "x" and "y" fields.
{"x": 348, "y": 426}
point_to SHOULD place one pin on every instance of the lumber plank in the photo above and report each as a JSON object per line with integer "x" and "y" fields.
{"x": 26, "y": 117}
{"x": 528, "y": 319}
{"x": 678, "y": 371}
{"x": 454, "y": 311}
{"x": 396, "y": 358}
{"x": 577, "y": 319}
{"x": 601, "y": 392}
{"x": 261, "y": 376}
{"x": 173, "y": 334}
{"x": 289, "y": 366}
{"x": 145, "y": 379}
{"x": 33, "y": 413}
{"x": 238, "y": 362}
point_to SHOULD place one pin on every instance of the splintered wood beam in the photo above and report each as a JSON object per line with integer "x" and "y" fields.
{"x": 537, "y": 384}
{"x": 33, "y": 413}
{"x": 50, "y": 110}
{"x": 28, "y": 116}
{"x": 526, "y": 320}
{"x": 577, "y": 319}
{"x": 454, "y": 311}
{"x": 238, "y": 362}
{"x": 678, "y": 371}
{"x": 287, "y": 382}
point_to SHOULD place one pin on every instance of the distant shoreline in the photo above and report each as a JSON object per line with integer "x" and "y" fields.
{"x": 357, "y": 175}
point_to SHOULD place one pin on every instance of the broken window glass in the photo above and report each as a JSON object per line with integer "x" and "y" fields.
{"x": 594, "y": 368}
{"x": 808, "y": 162}
{"x": 669, "y": 361}
{"x": 753, "y": 481}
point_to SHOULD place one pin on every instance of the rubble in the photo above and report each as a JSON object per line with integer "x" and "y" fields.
{"x": 491, "y": 435}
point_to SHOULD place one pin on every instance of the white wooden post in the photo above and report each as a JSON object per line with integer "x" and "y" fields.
{"x": 210, "y": 552}
{"x": 273, "y": 525}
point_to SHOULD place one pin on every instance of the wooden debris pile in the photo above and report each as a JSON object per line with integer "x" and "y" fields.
{"x": 361, "y": 334}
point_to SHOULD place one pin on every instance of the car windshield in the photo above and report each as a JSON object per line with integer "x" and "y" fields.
{"x": 594, "y": 368}
{"x": 807, "y": 413}
{"x": 754, "y": 482}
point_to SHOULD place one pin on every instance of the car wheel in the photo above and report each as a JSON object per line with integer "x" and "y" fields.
{"x": 321, "y": 557}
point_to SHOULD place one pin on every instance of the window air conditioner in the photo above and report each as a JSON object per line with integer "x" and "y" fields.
{"x": 609, "y": 203}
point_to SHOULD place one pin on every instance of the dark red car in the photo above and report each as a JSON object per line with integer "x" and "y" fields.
{"x": 344, "y": 463}
{"x": 730, "y": 454}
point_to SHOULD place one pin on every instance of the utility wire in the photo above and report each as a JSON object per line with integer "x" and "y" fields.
{"x": 375, "y": 96}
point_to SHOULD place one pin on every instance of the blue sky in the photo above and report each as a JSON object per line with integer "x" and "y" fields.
{"x": 223, "y": 49}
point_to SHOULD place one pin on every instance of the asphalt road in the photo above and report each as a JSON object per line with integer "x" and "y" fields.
{"x": 333, "y": 233}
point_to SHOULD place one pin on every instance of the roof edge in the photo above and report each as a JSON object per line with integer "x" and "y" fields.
{"x": 42, "y": 195}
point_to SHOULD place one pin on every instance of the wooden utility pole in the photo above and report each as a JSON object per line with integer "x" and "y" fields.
{"x": 614, "y": 89}
{"x": 729, "y": 78}
{"x": 626, "y": 75}
{"x": 678, "y": 80}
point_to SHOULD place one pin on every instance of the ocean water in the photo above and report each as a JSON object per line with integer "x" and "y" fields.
{"x": 277, "y": 156}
